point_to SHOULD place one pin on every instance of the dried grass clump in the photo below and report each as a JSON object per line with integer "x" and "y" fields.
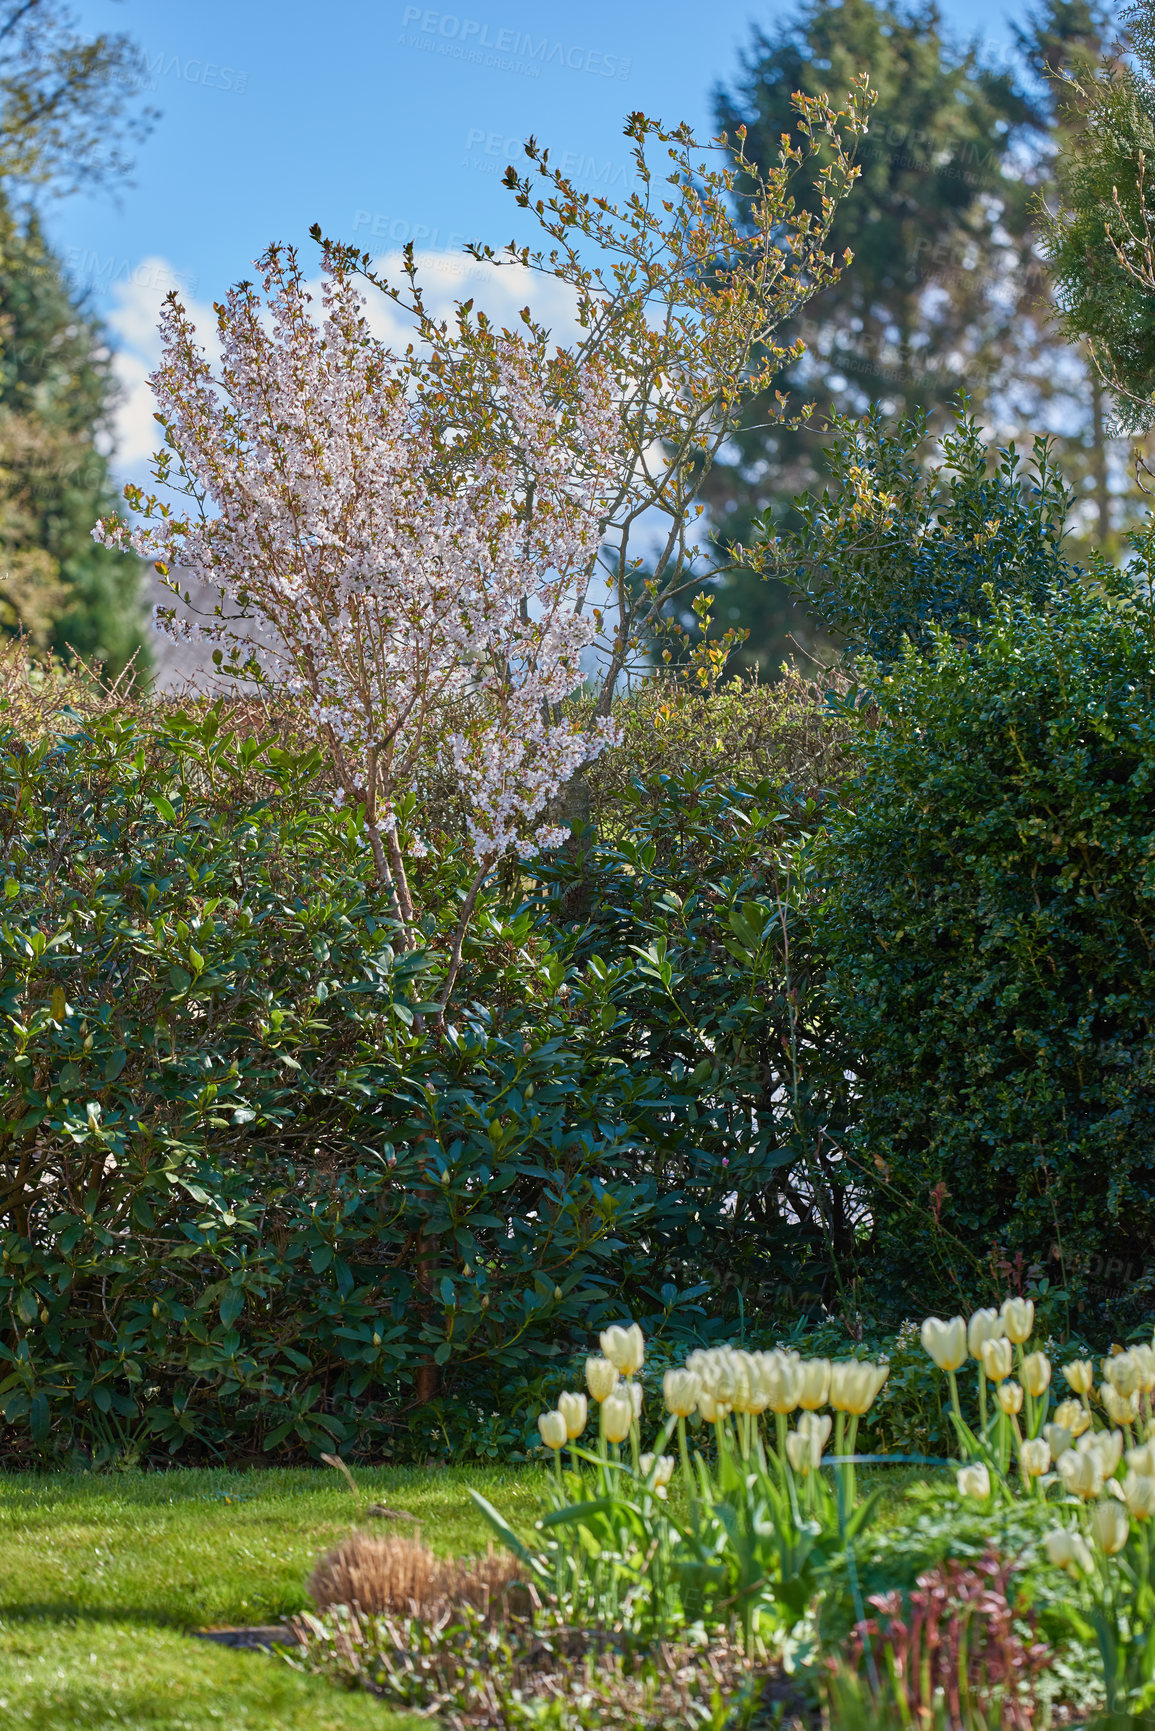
{"x": 402, "y": 1577}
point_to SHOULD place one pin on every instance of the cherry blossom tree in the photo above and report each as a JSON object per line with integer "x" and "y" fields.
{"x": 426, "y": 533}
{"x": 395, "y": 561}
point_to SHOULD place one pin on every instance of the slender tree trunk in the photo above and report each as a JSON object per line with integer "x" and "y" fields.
{"x": 1099, "y": 460}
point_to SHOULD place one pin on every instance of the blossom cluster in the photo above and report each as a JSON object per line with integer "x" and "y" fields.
{"x": 395, "y": 566}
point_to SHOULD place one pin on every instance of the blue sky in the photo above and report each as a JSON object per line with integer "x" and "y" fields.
{"x": 382, "y": 121}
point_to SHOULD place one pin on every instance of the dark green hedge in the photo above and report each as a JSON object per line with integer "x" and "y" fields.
{"x": 990, "y": 933}
{"x": 245, "y": 1193}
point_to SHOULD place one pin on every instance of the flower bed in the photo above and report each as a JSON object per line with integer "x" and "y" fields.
{"x": 749, "y": 1562}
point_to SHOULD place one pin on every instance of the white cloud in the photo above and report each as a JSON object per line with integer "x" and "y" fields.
{"x": 133, "y": 325}
{"x": 501, "y": 291}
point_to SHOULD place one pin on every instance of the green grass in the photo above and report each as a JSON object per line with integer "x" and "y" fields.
{"x": 101, "y": 1577}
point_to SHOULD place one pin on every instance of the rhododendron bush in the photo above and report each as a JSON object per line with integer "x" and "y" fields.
{"x": 428, "y": 533}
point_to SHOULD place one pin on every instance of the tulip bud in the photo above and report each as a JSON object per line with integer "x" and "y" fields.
{"x": 1073, "y": 1415}
{"x": 634, "y": 1390}
{"x": 1110, "y": 1524}
{"x": 1058, "y": 1438}
{"x": 624, "y": 1347}
{"x": 813, "y": 1383}
{"x": 711, "y": 1410}
{"x": 1036, "y": 1374}
{"x": 1139, "y": 1495}
{"x": 1120, "y": 1408}
{"x": 617, "y": 1416}
{"x": 814, "y": 1424}
{"x": 854, "y": 1385}
{"x": 1035, "y": 1456}
{"x": 1081, "y": 1473}
{"x": 1107, "y": 1447}
{"x": 1018, "y": 1319}
{"x": 983, "y": 1325}
{"x": 574, "y": 1410}
{"x": 996, "y": 1357}
{"x": 805, "y": 1445}
{"x": 945, "y": 1342}
{"x": 1010, "y": 1397}
{"x": 1080, "y": 1374}
{"x": 664, "y": 1471}
{"x": 1144, "y": 1357}
{"x": 1068, "y": 1551}
{"x": 1142, "y": 1460}
{"x": 1122, "y": 1372}
{"x": 553, "y": 1429}
{"x": 974, "y": 1481}
{"x": 782, "y": 1381}
{"x": 601, "y": 1378}
{"x": 680, "y": 1390}
{"x": 798, "y": 1451}
{"x": 740, "y": 1381}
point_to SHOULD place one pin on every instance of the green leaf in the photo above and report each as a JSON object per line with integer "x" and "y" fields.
{"x": 509, "y": 1538}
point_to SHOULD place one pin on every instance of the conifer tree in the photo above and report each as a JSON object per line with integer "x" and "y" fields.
{"x": 57, "y": 394}
{"x": 935, "y": 225}
{"x": 67, "y": 116}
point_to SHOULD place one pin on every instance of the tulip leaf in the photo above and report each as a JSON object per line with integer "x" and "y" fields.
{"x": 509, "y": 1538}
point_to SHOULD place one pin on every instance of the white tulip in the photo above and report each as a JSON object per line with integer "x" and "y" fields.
{"x": 1110, "y": 1525}
{"x": 553, "y": 1429}
{"x": 983, "y": 1325}
{"x": 680, "y": 1391}
{"x": 997, "y": 1358}
{"x": 945, "y": 1342}
{"x": 1018, "y": 1319}
{"x": 575, "y": 1411}
{"x": 1080, "y": 1375}
{"x": 617, "y": 1416}
{"x": 624, "y": 1347}
{"x": 974, "y": 1481}
{"x": 601, "y": 1378}
{"x": 1035, "y": 1455}
{"x": 1036, "y": 1374}
{"x": 813, "y": 1383}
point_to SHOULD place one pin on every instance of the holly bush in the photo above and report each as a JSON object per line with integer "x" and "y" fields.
{"x": 989, "y": 928}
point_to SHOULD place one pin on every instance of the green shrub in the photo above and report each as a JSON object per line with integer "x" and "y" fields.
{"x": 988, "y": 928}
{"x": 248, "y": 1201}
{"x": 897, "y": 549}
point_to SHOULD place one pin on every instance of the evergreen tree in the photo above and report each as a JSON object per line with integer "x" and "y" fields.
{"x": 936, "y": 227}
{"x": 66, "y": 114}
{"x": 57, "y": 394}
{"x": 1101, "y": 235}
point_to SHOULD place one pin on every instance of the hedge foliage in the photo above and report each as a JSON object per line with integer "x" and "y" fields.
{"x": 990, "y": 936}
{"x": 246, "y": 1194}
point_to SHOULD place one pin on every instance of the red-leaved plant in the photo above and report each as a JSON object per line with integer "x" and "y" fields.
{"x": 957, "y": 1643}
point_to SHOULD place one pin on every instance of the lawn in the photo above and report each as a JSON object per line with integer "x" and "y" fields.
{"x": 102, "y": 1577}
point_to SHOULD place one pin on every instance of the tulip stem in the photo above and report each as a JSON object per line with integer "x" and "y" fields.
{"x": 954, "y": 1401}
{"x": 851, "y": 1483}
{"x": 982, "y": 1401}
{"x": 684, "y": 1453}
